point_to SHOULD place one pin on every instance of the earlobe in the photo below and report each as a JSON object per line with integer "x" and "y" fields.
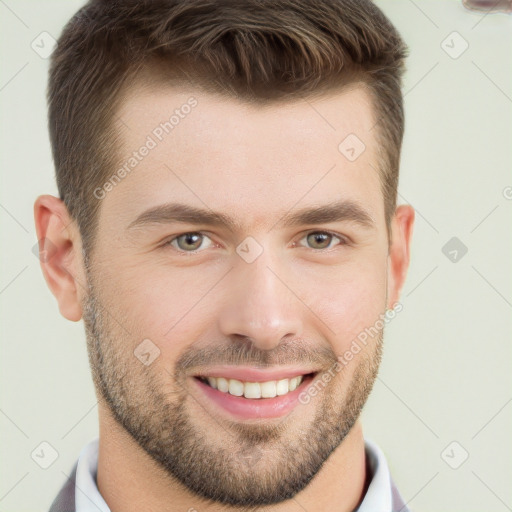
{"x": 60, "y": 254}
{"x": 399, "y": 252}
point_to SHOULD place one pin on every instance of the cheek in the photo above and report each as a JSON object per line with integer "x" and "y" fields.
{"x": 165, "y": 307}
{"x": 351, "y": 301}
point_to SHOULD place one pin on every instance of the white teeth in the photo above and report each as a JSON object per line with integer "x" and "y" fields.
{"x": 222, "y": 384}
{"x": 268, "y": 389}
{"x": 282, "y": 387}
{"x": 294, "y": 383}
{"x": 236, "y": 387}
{"x": 252, "y": 390}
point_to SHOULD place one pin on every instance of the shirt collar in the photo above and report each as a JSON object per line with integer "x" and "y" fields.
{"x": 87, "y": 494}
{"x": 89, "y": 499}
{"x": 378, "y": 495}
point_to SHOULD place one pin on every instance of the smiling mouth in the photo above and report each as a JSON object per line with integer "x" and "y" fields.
{"x": 256, "y": 390}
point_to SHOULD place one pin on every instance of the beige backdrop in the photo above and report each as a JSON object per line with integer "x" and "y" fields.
{"x": 441, "y": 409}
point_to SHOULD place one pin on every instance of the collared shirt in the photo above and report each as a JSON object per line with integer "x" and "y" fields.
{"x": 381, "y": 495}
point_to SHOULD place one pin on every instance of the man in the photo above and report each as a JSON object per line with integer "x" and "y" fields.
{"x": 227, "y": 228}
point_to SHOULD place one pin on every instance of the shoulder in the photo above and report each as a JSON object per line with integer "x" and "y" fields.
{"x": 65, "y": 500}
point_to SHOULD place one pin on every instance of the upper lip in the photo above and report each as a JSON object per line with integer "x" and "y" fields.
{"x": 252, "y": 374}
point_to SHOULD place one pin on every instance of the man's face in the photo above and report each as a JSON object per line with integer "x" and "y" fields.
{"x": 261, "y": 293}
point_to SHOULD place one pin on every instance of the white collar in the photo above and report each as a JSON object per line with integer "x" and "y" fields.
{"x": 87, "y": 494}
{"x": 378, "y": 495}
{"x": 89, "y": 499}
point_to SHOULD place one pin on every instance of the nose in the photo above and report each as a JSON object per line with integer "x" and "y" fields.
{"x": 260, "y": 304}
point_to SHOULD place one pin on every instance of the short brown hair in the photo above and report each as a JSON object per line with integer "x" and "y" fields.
{"x": 256, "y": 50}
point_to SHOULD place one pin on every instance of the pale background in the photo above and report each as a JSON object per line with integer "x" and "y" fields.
{"x": 446, "y": 375}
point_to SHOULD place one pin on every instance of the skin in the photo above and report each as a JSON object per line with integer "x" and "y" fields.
{"x": 163, "y": 445}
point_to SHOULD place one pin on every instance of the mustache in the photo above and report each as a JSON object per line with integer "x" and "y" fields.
{"x": 293, "y": 353}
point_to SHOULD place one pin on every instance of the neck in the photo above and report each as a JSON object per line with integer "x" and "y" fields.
{"x": 130, "y": 481}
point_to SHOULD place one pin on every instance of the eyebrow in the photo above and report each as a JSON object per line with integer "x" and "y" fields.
{"x": 338, "y": 211}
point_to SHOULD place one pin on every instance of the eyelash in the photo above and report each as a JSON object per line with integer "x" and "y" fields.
{"x": 343, "y": 241}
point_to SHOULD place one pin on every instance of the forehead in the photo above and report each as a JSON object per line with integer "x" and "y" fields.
{"x": 145, "y": 103}
{"x": 209, "y": 150}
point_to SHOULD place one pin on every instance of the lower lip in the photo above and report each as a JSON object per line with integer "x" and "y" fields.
{"x": 254, "y": 408}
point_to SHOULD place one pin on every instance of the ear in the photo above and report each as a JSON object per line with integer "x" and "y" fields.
{"x": 60, "y": 255}
{"x": 399, "y": 251}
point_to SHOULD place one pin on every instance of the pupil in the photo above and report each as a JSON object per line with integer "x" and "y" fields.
{"x": 319, "y": 236}
{"x": 189, "y": 238}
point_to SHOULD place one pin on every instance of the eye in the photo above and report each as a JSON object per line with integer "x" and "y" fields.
{"x": 188, "y": 242}
{"x": 192, "y": 241}
{"x": 323, "y": 239}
